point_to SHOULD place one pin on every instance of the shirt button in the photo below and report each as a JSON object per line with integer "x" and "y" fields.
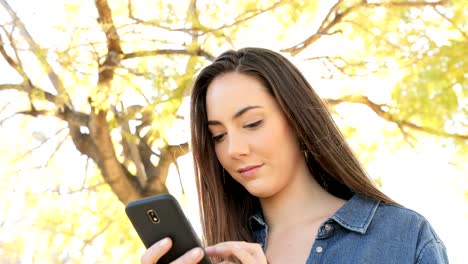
{"x": 319, "y": 249}
{"x": 328, "y": 227}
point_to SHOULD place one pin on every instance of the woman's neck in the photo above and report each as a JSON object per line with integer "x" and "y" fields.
{"x": 303, "y": 200}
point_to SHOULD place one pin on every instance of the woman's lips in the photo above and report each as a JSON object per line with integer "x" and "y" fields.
{"x": 249, "y": 171}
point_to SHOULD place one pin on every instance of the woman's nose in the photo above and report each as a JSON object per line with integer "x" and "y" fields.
{"x": 237, "y": 146}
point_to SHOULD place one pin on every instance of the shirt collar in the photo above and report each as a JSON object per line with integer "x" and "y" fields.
{"x": 355, "y": 215}
{"x": 256, "y": 221}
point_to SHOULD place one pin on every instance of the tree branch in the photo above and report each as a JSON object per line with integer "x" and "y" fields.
{"x": 463, "y": 33}
{"x": 114, "y": 50}
{"x": 169, "y": 155}
{"x": 132, "y": 143}
{"x": 107, "y": 23}
{"x": 365, "y": 28}
{"x": 42, "y": 143}
{"x": 83, "y": 142}
{"x": 57, "y": 148}
{"x": 38, "y": 52}
{"x": 11, "y": 61}
{"x": 360, "y": 99}
{"x": 90, "y": 240}
{"x": 74, "y": 117}
{"x": 29, "y": 89}
{"x": 153, "y": 23}
{"x": 417, "y": 4}
{"x": 342, "y": 65}
{"x": 197, "y": 30}
{"x": 324, "y": 27}
{"x": 120, "y": 180}
{"x": 148, "y": 53}
{"x": 245, "y": 19}
{"x": 123, "y": 184}
{"x": 334, "y": 17}
{"x": 192, "y": 15}
{"x": 13, "y": 46}
{"x": 406, "y": 136}
{"x": 68, "y": 115}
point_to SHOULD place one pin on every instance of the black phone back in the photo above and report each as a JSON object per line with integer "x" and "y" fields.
{"x": 160, "y": 216}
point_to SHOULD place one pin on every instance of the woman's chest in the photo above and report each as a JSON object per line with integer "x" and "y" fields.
{"x": 291, "y": 246}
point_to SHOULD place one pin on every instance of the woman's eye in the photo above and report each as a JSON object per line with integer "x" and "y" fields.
{"x": 254, "y": 124}
{"x": 218, "y": 137}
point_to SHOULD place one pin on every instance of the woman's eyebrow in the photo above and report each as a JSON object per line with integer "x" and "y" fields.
{"x": 236, "y": 115}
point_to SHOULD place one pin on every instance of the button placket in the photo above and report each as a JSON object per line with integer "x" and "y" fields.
{"x": 317, "y": 251}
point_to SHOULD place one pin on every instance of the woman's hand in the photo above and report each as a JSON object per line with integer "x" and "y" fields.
{"x": 247, "y": 253}
{"x": 156, "y": 251}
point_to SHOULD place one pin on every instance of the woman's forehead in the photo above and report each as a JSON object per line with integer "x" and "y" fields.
{"x": 232, "y": 91}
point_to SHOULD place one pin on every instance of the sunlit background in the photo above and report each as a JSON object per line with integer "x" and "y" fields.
{"x": 394, "y": 74}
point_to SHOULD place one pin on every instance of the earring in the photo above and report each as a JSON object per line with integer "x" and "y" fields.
{"x": 224, "y": 177}
{"x": 303, "y": 148}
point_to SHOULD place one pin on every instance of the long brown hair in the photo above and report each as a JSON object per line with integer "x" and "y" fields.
{"x": 225, "y": 205}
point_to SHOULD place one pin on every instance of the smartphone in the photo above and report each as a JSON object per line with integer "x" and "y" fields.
{"x": 160, "y": 216}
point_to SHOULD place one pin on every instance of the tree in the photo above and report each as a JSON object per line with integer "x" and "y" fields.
{"x": 112, "y": 84}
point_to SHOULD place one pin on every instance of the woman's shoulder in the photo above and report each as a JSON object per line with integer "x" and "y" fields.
{"x": 400, "y": 211}
{"x": 367, "y": 215}
{"x": 401, "y": 216}
{"x": 374, "y": 229}
{"x": 406, "y": 223}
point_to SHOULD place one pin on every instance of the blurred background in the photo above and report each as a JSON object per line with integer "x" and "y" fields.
{"x": 94, "y": 108}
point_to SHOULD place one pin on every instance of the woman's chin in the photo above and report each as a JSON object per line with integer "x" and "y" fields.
{"x": 260, "y": 192}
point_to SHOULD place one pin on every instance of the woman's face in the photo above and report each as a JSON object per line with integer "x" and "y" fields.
{"x": 252, "y": 138}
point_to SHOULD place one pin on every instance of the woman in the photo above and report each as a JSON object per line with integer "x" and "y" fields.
{"x": 277, "y": 182}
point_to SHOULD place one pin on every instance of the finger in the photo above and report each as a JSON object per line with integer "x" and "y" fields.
{"x": 245, "y": 252}
{"x": 156, "y": 251}
{"x": 193, "y": 256}
{"x": 254, "y": 248}
{"x": 223, "y": 248}
{"x": 244, "y": 255}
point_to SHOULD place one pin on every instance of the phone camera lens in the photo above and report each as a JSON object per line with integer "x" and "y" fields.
{"x": 153, "y": 216}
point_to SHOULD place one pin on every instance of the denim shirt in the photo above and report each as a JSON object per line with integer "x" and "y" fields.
{"x": 368, "y": 231}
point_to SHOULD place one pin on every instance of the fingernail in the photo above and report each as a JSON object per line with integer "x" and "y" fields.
{"x": 164, "y": 242}
{"x": 195, "y": 253}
